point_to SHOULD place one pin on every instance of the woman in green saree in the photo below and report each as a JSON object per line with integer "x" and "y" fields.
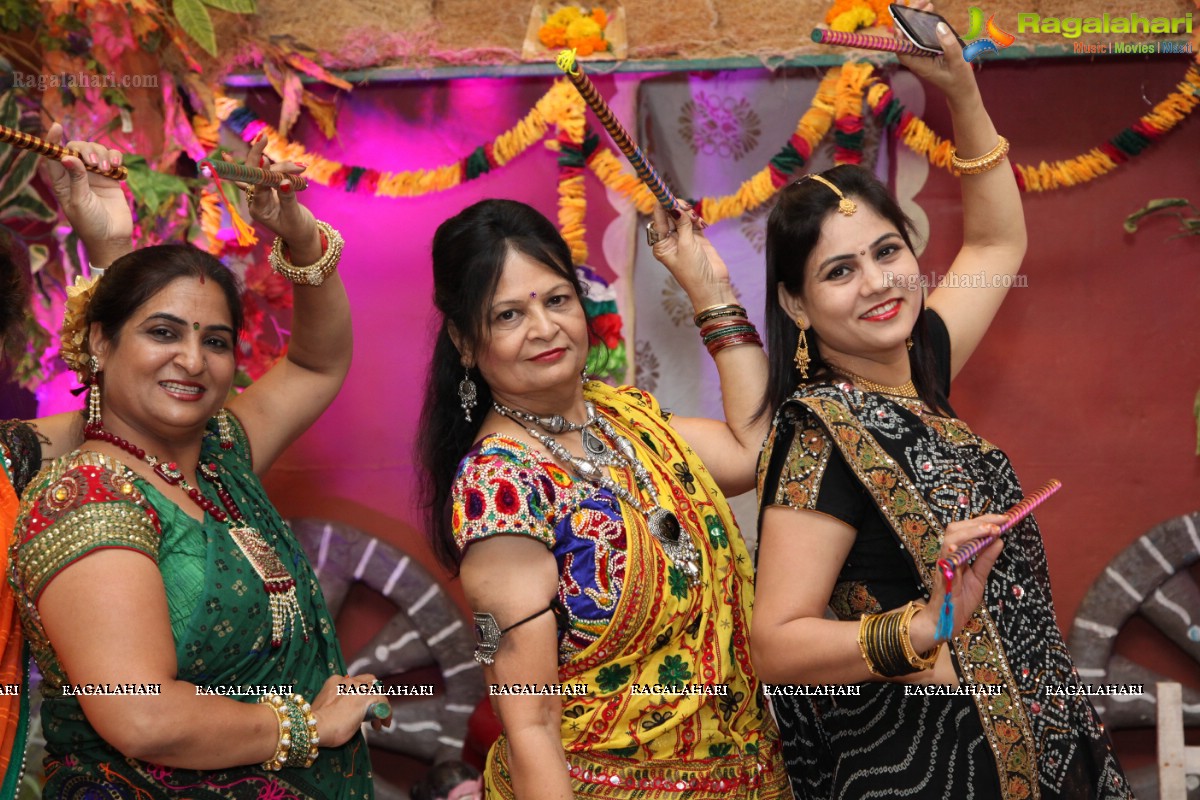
{"x": 162, "y": 595}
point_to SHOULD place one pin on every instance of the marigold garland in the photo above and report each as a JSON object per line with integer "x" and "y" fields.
{"x": 848, "y": 110}
{"x": 1100, "y": 160}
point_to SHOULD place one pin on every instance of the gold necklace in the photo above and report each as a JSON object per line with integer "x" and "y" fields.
{"x": 907, "y": 389}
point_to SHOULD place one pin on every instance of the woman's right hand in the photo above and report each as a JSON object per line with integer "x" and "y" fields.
{"x": 970, "y": 580}
{"x": 339, "y": 716}
{"x": 691, "y": 258}
{"x": 95, "y": 205}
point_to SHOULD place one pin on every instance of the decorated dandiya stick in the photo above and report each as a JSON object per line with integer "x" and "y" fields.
{"x": 865, "y": 41}
{"x": 229, "y": 171}
{"x": 587, "y": 90}
{"x": 949, "y": 566}
{"x": 27, "y": 141}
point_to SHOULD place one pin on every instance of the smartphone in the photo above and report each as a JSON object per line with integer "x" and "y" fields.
{"x": 920, "y": 27}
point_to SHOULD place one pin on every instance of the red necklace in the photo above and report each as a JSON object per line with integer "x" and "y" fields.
{"x": 280, "y": 586}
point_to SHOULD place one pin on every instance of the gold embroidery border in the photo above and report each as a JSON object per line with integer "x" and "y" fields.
{"x": 1016, "y": 763}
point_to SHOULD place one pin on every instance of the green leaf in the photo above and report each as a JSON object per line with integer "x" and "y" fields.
{"x": 18, "y": 177}
{"x": 235, "y": 6}
{"x": 154, "y": 191}
{"x": 194, "y": 19}
{"x": 28, "y": 204}
{"x": 1154, "y": 206}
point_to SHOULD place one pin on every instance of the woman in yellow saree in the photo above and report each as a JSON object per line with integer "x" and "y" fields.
{"x": 611, "y": 587}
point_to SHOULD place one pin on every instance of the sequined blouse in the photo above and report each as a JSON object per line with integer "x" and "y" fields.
{"x": 505, "y": 488}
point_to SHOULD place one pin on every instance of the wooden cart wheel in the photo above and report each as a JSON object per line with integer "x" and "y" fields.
{"x": 1150, "y": 578}
{"x": 427, "y": 630}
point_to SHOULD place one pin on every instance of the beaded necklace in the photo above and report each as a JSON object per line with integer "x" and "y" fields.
{"x": 278, "y": 582}
{"x": 663, "y": 525}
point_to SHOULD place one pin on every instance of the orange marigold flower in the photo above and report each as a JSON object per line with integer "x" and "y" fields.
{"x": 552, "y": 36}
{"x": 600, "y": 17}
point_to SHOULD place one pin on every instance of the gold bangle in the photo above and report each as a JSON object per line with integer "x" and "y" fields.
{"x": 716, "y": 312}
{"x": 303, "y": 733}
{"x": 863, "y": 623}
{"x": 921, "y": 662}
{"x": 313, "y": 274}
{"x": 284, "y": 743}
{"x": 985, "y": 162}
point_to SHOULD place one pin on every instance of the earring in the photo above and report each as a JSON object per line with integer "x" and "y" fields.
{"x": 467, "y": 394}
{"x": 801, "y": 358}
{"x": 908, "y": 343}
{"x": 224, "y": 430}
{"x": 93, "y": 419}
{"x": 584, "y": 377}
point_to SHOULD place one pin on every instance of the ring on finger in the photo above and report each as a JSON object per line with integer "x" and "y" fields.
{"x": 653, "y": 237}
{"x": 250, "y": 196}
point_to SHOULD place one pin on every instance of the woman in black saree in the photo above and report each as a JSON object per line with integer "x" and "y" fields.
{"x": 868, "y": 478}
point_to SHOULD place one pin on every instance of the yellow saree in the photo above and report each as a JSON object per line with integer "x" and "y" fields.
{"x": 672, "y": 708}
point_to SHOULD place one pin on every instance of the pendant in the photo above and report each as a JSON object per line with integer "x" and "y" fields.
{"x": 663, "y": 525}
{"x": 593, "y": 445}
{"x": 555, "y": 425}
{"x": 280, "y": 586}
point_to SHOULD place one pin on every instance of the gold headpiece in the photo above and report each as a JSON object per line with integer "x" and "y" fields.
{"x": 73, "y": 339}
{"x": 845, "y": 204}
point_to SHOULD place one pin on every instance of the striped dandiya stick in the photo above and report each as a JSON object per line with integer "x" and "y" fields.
{"x": 229, "y": 171}
{"x": 865, "y": 41}
{"x": 27, "y": 141}
{"x": 950, "y": 566}
{"x": 587, "y": 90}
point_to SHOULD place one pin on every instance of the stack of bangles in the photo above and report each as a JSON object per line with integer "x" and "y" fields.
{"x": 988, "y": 161}
{"x": 887, "y": 647}
{"x": 298, "y": 739}
{"x": 313, "y": 274}
{"x": 725, "y": 325}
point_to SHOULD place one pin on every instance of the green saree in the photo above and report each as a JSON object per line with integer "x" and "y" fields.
{"x": 220, "y": 617}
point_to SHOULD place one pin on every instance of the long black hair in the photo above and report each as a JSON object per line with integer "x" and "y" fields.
{"x": 14, "y": 297}
{"x": 469, "y": 251}
{"x": 137, "y": 276}
{"x": 793, "y": 230}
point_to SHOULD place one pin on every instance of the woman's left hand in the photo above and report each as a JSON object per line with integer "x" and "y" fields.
{"x": 690, "y": 257}
{"x": 280, "y": 211}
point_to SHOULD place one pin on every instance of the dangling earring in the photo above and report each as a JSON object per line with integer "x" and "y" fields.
{"x": 584, "y": 377}
{"x": 93, "y": 418}
{"x": 224, "y": 430}
{"x": 801, "y": 358}
{"x": 467, "y": 394}
{"x": 908, "y": 343}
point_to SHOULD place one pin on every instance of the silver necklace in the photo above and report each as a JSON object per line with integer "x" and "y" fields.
{"x": 663, "y": 524}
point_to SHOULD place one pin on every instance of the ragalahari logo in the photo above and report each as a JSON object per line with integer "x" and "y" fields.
{"x": 996, "y": 39}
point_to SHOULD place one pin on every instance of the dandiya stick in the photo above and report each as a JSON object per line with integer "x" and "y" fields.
{"x": 567, "y": 63}
{"x": 950, "y": 566}
{"x": 228, "y": 171}
{"x": 864, "y": 41}
{"x": 27, "y": 141}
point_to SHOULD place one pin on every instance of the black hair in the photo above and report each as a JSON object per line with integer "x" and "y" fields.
{"x": 469, "y": 251}
{"x": 441, "y": 778}
{"x": 135, "y": 277}
{"x": 793, "y": 230}
{"x": 14, "y": 298}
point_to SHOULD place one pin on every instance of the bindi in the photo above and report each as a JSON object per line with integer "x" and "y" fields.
{"x": 533, "y": 295}
{"x": 195, "y": 326}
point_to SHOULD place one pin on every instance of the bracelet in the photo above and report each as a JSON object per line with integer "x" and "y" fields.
{"x": 921, "y": 662}
{"x": 730, "y": 341}
{"x": 884, "y": 644}
{"x": 313, "y": 274}
{"x": 298, "y": 739}
{"x": 738, "y": 326}
{"x": 716, "y": 312}
{"x": 987, "y": 161}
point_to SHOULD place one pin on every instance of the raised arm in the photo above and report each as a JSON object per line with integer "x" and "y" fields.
{"x": 285, "y": 401}
{"x": 994, "y": 235}
{"x": 729, "y": 447}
